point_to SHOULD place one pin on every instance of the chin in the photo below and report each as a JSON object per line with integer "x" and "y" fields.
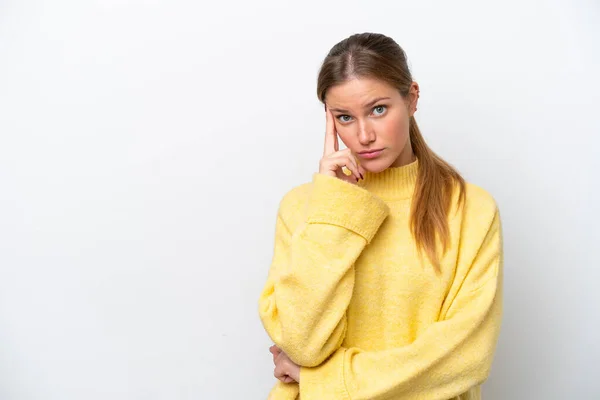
{"x": 375, "y": 166}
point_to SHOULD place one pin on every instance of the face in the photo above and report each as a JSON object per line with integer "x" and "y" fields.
{"x": 372, "y": 119}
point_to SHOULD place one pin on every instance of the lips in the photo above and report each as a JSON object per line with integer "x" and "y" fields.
{"x": 370, "y": 154}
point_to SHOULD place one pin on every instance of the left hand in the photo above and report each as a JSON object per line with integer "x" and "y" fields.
{"x": 285, "y": 369}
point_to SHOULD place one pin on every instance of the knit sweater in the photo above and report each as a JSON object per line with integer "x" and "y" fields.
{"x": 350, "y": 300}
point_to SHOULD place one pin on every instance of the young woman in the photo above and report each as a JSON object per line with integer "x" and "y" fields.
{"x": 386, "y": 279}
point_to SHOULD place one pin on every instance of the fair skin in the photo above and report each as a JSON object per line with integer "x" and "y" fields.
{"x": 364, "y": 124}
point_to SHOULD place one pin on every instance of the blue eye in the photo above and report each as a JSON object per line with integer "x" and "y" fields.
{"x": 384, "y": 107}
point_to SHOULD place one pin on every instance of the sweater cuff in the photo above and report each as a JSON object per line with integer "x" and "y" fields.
{"x": 337, "y": 202}
{"x": 325, "y": 381}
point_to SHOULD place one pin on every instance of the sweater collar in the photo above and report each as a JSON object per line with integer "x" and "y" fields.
{"x": 393, "y": 182}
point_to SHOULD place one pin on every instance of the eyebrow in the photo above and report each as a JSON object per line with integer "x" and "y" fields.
{"x": 369, "y": 104}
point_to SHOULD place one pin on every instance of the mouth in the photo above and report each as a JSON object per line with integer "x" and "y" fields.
{"x": 370, "y": 154}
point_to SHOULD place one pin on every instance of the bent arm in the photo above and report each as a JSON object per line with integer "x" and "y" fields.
{"x": 304, "y": 301}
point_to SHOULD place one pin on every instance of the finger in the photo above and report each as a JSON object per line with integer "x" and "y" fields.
{"x": 346, "y": 160}
{"x": 282, "y": 367}
{"x": 284, "y": 378}
{"x": 279, "y": 373}
{"x": 342, "y": 167}
{"x": 336, "y": 145}
{"x": 361, "y": 169}
{"x": 282, "y": 356}
{"x": 357, "y": 170}
{"x": 331, "y": 143}
{"x": 275, "y": 352}
{"x": 275, "y": 355}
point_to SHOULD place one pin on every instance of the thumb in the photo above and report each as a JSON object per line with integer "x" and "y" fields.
{"x": 274, "y": 349}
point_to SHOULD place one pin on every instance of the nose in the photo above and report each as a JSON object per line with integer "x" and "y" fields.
{"x": 366, "y": 134}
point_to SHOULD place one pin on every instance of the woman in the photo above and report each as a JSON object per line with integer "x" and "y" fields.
{"x": 386, "y": 279}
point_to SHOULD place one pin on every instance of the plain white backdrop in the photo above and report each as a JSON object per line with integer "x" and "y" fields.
{"x": 145, "y": 145}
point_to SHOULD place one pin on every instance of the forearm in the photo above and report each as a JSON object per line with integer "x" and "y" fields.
{"x": 311, "y": 280}
{"x": 448, "y": 359}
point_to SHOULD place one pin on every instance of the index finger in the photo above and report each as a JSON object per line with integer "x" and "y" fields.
{"x": 331, "y": 141}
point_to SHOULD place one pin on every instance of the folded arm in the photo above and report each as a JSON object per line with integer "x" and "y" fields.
{"x": 304, "y": 301}
{"x": 447, "y": 359}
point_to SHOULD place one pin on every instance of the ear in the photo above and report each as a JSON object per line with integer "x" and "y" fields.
{"x": 413, "y": 96}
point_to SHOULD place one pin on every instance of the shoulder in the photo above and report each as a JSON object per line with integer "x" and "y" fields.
{"x": 479, "y": 209}
{"x": 296, "y": 197}
{"x": 293, "y": 204}
{"x": 477, "y": 197}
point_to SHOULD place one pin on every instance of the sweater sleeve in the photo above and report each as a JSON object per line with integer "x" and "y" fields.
{"x": 445, "y": 360}
{"x": 303, "y": 303}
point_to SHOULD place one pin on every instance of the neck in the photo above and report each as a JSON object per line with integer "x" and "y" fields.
{"x": 407, "y": 156}
{"x": 395, "y": 182}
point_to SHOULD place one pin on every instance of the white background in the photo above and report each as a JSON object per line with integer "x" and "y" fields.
{"x": 145, "y": 145}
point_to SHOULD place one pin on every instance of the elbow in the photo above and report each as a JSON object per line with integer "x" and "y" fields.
{"x": 306, "y": 343}
{"x": 316, "y": 345}
{"x": 486, "y": 370}
{"x": 311, "y": 351}
{"x": 305, "y": 355}
{"x": 303, "y": 349}
{"x": 482, "y": 369}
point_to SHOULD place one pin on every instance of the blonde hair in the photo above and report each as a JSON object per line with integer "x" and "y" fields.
{"x": 377, "y": 56}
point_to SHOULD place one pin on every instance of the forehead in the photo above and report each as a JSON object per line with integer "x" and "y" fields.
{"x": 358, "y": 91}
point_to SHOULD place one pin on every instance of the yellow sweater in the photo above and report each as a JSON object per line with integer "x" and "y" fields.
{"x": 349, "y": 299}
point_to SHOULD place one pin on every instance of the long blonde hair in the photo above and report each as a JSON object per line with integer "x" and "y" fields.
{"x": 377, "y": 56}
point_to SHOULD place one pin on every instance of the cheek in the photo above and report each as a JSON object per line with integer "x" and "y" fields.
{"x": 346, "y": 135}
{"x": 395, "y": 129}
